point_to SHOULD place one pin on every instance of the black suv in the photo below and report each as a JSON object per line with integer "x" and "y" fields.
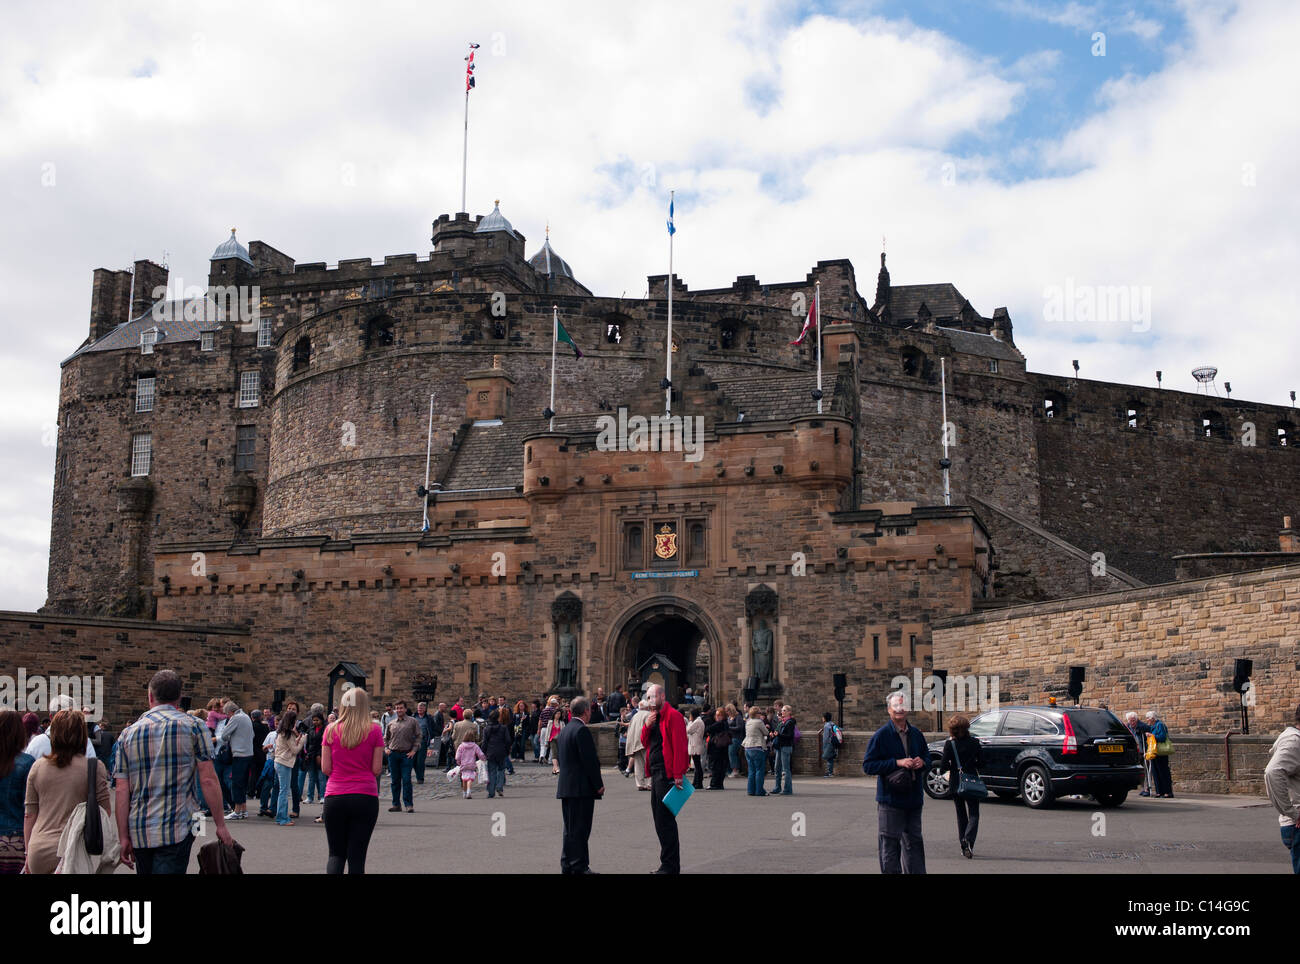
{"x": 1044, "y": 752}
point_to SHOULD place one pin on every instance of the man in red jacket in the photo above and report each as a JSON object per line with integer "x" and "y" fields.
{"x": 664, "y": 738}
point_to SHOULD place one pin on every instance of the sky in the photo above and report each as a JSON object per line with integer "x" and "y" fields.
{"x": 1028, "y": 152}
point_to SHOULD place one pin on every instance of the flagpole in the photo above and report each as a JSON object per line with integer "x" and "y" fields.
{"x": 555, "y": 337}
{"x": 668, "y": 365}
{"x": 428, "y": 453}
{"x": 464, "y": 160}
{"x": 817, "y": 306}
{"x": 943, "y": 380}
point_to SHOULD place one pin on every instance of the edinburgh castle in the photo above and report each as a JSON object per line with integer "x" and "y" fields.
{"x": 236, "y": 493}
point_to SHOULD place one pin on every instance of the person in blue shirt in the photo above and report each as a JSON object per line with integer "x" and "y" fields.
{"x": 14, "y": 767}
{"x": 897, "y": 757}
{"x": 1160, "y": 774}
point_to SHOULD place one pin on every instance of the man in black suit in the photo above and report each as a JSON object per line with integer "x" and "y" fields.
{"x": 579, "y": 787}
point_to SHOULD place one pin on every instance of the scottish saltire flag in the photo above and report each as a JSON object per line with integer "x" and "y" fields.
{"x": 563, "y": 336}
{"x": 671, "y": 229}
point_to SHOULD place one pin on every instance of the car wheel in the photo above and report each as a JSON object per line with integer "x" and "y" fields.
{"x": 1035, "y": 787}
{"x": 1006, "y": 794}
{"x": 935, "y": 785}
{"x": 1112, "y": 799}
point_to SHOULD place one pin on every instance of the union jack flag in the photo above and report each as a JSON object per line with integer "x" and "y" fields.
{"x": 469, "y": 68}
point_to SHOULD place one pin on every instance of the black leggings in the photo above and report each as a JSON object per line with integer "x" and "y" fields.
{"x": 349, "y": 821}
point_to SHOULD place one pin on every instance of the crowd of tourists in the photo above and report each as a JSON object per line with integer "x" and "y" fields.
{"x": 170, "y": 765}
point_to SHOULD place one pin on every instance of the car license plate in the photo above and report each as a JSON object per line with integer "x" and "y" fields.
{"x": 1111, "y": 748}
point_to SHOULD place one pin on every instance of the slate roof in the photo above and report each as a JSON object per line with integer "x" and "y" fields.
{"x": 496, "y": 221}
{"x": 778, "y": 397}
{"x": 943, "y": 300}
{"x": 546, "y": 261}
{"x": 127, "y": 335}
{"x": 974, "y": 343}
{"x": 492, "y": 456}
{"x": 231, "y": 248}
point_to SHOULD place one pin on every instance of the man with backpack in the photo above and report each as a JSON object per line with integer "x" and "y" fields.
{"x": 832, "y": 740}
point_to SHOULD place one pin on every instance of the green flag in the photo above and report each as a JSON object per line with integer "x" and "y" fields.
{"x": 563, "y": 336}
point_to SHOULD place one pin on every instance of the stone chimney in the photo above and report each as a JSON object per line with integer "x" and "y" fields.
{"x": 1286, "y": 538}
{"x": 147, "y": 278}
{"x": 488, "y": 391}
{"x": 1001, "y": 327}
{"x": 110, "y": 301}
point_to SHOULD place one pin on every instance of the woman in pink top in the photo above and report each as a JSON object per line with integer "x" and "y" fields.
{"x": 352, "y": 754}
{"x": 467, "y": 756}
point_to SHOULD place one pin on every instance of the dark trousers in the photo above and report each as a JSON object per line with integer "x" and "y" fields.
{"x": 717, "y": 767}
{"x": 1160, "y": 774}
{"x": 900, "y": 830}
{"x": 670, "y": 852}
{"x": 349, "y": 821}
{"x": 295, "y": 786}
{"x": 578, "y": 813}
{"x": 968, "y": 819}
{"x": 399, "y": 775}
{"x": 699, "y": 772}
{"x": 420, "y": 761}
{"x": 445, "y": 758}
{"x": 172, "y": 859}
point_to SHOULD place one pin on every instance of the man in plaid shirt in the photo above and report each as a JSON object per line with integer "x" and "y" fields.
{"x": 157, "y": 759}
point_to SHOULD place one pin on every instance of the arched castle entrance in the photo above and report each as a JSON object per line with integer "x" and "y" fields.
{"x": 671, "y": 627}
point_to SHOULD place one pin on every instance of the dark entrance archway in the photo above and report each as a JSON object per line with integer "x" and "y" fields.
{"x": 672, "y": 627}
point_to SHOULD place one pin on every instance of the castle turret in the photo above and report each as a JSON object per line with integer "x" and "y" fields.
{"x": 230, "y": 263}
{"x": 882, "y": 285}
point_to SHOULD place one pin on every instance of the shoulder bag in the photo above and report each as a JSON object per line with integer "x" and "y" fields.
{"x": 969, "y": 786}
{"x": 900, "y": 780}
{"x": 94, "y": 831}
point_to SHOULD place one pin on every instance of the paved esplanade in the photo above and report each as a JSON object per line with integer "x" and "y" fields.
{"x": 730, "y": 832}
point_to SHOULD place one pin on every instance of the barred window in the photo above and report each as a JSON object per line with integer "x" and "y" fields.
{"x": 245, "y": 447}
{"x": 250, "y": 384}
{"x": 144, "y": 392}
{"x": 264, "y": 331}
{"x": 207, "y": 340}
{"x": 147, "y": 340}
{"x": 141, "y": 453}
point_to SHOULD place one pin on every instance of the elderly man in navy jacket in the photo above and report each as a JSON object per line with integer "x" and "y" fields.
{"x": 898, "y": 757}
{"x": 580, "y": 785}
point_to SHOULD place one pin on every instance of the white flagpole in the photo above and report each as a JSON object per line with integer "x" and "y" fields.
{"x": 555, "y": 337}
{"x": 817, "y": 306}
{"x": 668, "y": 366}
{"x": 464, "y": 161}
{"x": 428, "y": 453}
{"x": 943, "y": 380}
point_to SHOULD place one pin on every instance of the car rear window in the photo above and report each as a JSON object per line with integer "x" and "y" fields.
{"x": 1095, "y": 723}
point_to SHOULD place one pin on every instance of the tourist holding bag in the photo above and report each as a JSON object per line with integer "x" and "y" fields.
{"x": 1164, "y": 750}
{"x": 968, "y": 788}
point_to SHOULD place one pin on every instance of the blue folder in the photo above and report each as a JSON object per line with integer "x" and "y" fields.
{"x": 675, "y": 799}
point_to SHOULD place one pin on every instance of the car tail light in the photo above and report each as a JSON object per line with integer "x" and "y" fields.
{"x": 1069, "y": 744}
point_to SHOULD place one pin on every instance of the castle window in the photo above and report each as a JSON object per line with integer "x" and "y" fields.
{"x": 913, "y": 361}
{"x": 207, "y": 340}
{"x": 301, "y": 353}
{"x": 144, "y": 393}
{"x": 250, "y": 384}
{"x": 633, "y": 546}
{"x": 379, "y": 332}
{"x": 141, "y": 453}
{"x": 1053, "y": 405}
{"x": 245, "y": 447}
{"x": 696, "y": 543}
{"x": 993, "y": 366}
{"x": 1133, "y": 414}
{"x": 911, "y": 637}
{"x": 1285, "y": 433}
{"x": 147, "y": 340}
{"x": 264, "y": 331}
{"x": 1212, "y": 425}
{"x": 875, "y": 647}
{"x": 613, "y": 333}
{"x": 727, "y": 335}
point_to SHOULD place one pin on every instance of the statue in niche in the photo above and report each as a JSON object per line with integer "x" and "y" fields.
{"x": 567, "y": 657}
{"x": 761, "y": 641}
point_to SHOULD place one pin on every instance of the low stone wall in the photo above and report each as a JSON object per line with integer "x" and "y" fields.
{"x": 1169, "y": 648}
{"x": 125, "y": 653}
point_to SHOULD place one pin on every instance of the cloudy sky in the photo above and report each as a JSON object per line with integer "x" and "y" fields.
{"x": 1016, "y": 148}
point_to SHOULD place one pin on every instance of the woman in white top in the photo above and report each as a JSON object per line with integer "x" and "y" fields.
{"x": 755, "y": 746}
{"x": 695, "y": 745}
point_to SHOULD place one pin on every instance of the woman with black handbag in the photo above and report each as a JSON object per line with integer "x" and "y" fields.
{"x": 961, "y": 761}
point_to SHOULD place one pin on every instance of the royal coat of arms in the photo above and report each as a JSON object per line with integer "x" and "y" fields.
{"x": 666, "y": 541}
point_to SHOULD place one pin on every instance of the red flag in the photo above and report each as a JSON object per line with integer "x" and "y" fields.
{"x": 469, "y": 68}
{"x": 807, "y": 325}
